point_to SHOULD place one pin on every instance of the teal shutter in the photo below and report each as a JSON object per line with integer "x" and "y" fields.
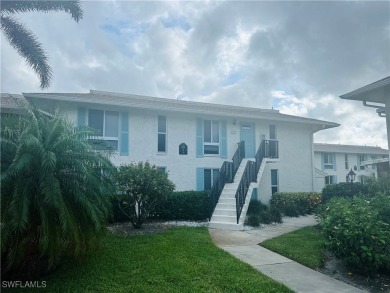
{"x": 322, "y": 161}
{"x": 223, "y": 140}
{"x": 124, "y": 147}
{"x": 254, "y": 194}
{"x": 199, "y": 179}
{"x": 334, "y": 161}
{"x": 199, "y": 138}
{"x": 81, "y": 117}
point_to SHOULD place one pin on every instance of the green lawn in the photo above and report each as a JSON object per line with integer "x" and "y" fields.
{"x": 305, "y": 246}
{"x": 178, "y": 260}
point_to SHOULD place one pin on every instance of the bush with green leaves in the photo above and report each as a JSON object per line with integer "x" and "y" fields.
{"x": 357, "y": 232}
{"x": 52, "y": 191}
{"x": 140, "y": 188}
{"x": 259, "y": 213}
{"x": 294, "y": 204}
{"x": 380, "y": 185}
{"x": 344, "y": 189}
{"x": 184, "y": 205}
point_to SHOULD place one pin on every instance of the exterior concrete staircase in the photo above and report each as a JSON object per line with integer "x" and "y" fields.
{"x": 224, "y": 216}
{"x": 249, "y": 172}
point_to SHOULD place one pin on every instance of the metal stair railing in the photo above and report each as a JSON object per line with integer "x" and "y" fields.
{"x": 226, "y": 175}
{"x": 267, "y": 149}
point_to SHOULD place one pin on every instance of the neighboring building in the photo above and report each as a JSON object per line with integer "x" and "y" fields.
{"x": 333, "y": 161}
{"x": 375, "y": 95}
{"x": 192, "y": 140}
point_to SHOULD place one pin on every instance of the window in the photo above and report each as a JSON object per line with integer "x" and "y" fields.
{"x": 346, "y": 162}
{"x": 274, "y": 181}
{"x": 162, "y": 134}
{"x": 272, "y": 132}
{"x": 361, "y": 158}
{"x": 210, "y": 176}
{"x": 162, "y": 169}
{"x": 107, "y": 125}
{"x": 329, "y": 161}
{"x": 211, "y": 137}
{"x": 330, "y": 180}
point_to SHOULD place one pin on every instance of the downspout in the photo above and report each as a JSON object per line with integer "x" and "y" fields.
{"x": 380, "y": 110}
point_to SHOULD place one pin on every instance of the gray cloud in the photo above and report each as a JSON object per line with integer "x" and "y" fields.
{"x": 239, "y": 53}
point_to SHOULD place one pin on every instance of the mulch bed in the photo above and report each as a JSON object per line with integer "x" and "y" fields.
{"x": 338, "y": 269}
{"x": 147, "y": 228}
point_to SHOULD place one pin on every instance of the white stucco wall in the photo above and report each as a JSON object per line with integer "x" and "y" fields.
{"x": 341, "y": 172}
{"x": 295, "y": 166}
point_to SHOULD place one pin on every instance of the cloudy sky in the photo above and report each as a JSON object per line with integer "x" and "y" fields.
{"x": 297, "y": 57}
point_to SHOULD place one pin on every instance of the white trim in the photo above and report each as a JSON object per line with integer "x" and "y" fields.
{"x": 150, "y": 103}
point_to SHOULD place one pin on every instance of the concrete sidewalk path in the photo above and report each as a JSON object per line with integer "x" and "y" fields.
{"x": 244, "y": 246}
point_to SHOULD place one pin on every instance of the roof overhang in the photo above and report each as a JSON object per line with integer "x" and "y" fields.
{"x": 153, "y": 103}
{"x": 377, "y": 92}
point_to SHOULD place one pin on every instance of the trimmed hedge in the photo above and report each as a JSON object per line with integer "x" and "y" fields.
{"x": 294, "y": 204}
{"x": 184, "y": 205}
{"x": 179, "y": 205}
{"x": 344, "y": 189}
{"x": 357, "y": 230}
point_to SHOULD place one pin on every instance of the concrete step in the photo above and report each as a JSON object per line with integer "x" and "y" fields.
{"x": 226, "y": 201}
{"x": 226, "y": 206}
{"x": 228, "y": 194}
{"x": 225, "y": 212}
{"x": 224, "y": 219}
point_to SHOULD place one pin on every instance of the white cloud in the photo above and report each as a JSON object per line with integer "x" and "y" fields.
{"x": 296, "y": 56}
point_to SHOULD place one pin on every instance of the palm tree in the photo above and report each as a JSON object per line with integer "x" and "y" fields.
{"x": 24, "y": 41}
{"x": 53, "y": 192}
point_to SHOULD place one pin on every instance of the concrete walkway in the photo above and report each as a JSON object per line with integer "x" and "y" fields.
{"x": 244, "y": 246}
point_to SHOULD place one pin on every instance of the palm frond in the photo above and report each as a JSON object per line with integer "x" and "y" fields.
{"x": 27, "y": 45}
{"x": 72, "y": 7}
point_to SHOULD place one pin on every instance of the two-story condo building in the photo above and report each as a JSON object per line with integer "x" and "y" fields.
{"x": 333, "y": 161}
{"x": 198, "y": 144}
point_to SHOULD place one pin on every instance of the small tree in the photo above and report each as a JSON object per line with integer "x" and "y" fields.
{"x": 141, "y": 187}
{"x": 53, "y": 195}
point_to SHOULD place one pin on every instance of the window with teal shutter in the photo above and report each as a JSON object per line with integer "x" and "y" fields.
{"x": 124, "y": 149}
{"x": 81, "y": 117}
{"x": 223, "y": 140}
{"x": 199, "y": 138}
{"x": 199, "y": 179}
{"x": 328, "y": 161}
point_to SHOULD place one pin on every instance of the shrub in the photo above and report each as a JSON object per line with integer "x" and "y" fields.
{"x": 293, "y": 204}
{"x": 117, "y": 216}
{"x": 253, "y": 220}
{"x": 141, "y": 187}
{"x": 184, "y": 205}
{"x": 380, "y": 185}
{"x": 355, "y": 232}
{"x": 52, "y": 192}
{"x": 260, "y": 213}
{"x": 256, "y": 206}
{"x": 344, "y": 189}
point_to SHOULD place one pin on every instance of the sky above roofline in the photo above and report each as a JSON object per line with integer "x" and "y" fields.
{"x": 297, "y": 57}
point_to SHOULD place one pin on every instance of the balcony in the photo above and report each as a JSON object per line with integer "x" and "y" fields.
{"x": 271, "y": 149}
